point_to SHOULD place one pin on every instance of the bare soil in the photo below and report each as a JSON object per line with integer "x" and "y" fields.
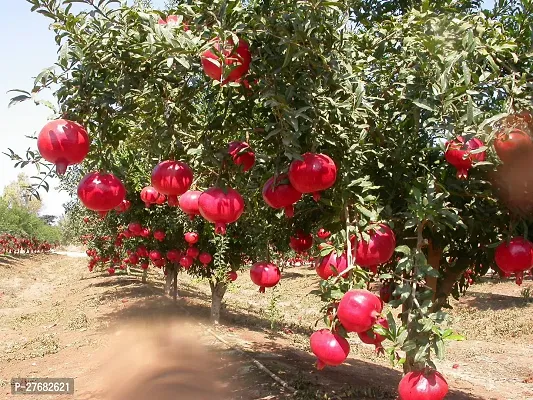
{"x": 59, "y": 320}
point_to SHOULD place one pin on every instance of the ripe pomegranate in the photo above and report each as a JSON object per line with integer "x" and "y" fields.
{"x": 378, "y": 250}
{"x": 172, "y": 178}
{"x": 205, "y": 258}
{"x": 160, "y": 263}
{"x": 385, "y": 293}
{"x": 316, "y": 172}
{"x": 142, "y": 251}
{"x": 161, "y": 199}
{"x": 149, "y": 196}
{"x": 513, "y": 144}
{"x": 232, "y": 276}
{"x": 145, "y": 232}
{"x": 330, "y": 348}
{"x": 192, "y": 238}
{"x": 174, "y": 255}
{"x": 358, "y": 310}
{"x": 160, "y": 235}
{"x": 188, "y": 202}
{"x": 323, "y": 234}
{"x": 423, "y": 385}
{"x": 370, "y": 337}
{"x": 221, "y": 207}
{"x": 100, "y": 191}
{"x": 133, "y": 259}
{"x": 265, "y": 274}
{"x": 63, "y": 143}
{"x": 458, "y": 153}
{"x": 279, "y": 193}
{"x": 144, "y": 265}
{"x": 135, "y": 228}
{"x": 111, "y": 271}
{"x": 155, "y": 255}
{"x": 123, "y": 207}
{"x": 326, "y": 266}
{"x": 193, "y": 252}
{"x": 242, "y": 154}
{"x": 301, "y": 242}
{"x": 233, "y": 64}
{"x": 515, "y": 257}
{"x": 186, "y": 262}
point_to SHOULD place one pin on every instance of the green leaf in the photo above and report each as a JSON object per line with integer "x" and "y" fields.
{"x": 403, "y": 250}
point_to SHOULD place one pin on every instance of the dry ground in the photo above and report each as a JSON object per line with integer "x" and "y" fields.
{"x": 59, "y": 320}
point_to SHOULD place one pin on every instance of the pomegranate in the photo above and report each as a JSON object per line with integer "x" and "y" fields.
{"x": 160, "y": 262}
{"x": 358, "y": 310}
{"x": 370, "y": 337}
{"x": 188, "y": 202}
{"x": 205, "y": 258}
{"x": 378, "y": 250}
{"x": 423, "y": 385}
{"x": 155, "y": 255}
{"x": 111, "y": 271}
{"x": 174, "y": 255}
{"x": 145, "y": 232}
{"x": 221, "y": 207}
{"x": 232, "y": 276}
{"x": 133, "y": 259}
{"x": 149, "y": 196}
{"x": 63, "y": 143}
{"x": 144, "y": 265}
{"x": 233, "y": 63}
{"x": 323, "y": 234}
{"x": 100, "y": 191}
{"x": 515, "y": 257}
{"x": 172, "y": 178}
{"x": 330, "y": 348}
{"x": 301, "y": 242}
{"x": 513, "y": 144}
{"x": 191, "y": 238}
{"x": 186, "y": 262}
{"x": 316, "y": 172}
{"x": 135, "y": 228}
{"x": 123, "y": 207}
{"x": 265, "y": 274}
{"x": 142, "y": 251}
{"x": 458, "y": 153}
{"x": 159, "y": 235}
{"x": 385, "y": 293}
{"x": 242, "y": 154}
{"x": 193, "y": 252}
{"x": 161, "y": 199}
{"x": 279, "y": 193}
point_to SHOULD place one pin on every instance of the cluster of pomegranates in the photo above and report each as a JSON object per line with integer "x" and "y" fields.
{"x": 11, "y": 244}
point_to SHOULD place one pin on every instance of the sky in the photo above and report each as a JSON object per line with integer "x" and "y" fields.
{"x": 29, "y": 47}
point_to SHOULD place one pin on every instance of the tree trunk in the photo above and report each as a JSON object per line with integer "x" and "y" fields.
{"x": 175, "y": 287}
{"x": 168, "y": 281}
{"x": 434, "y": 256}
{"x": 218, "y": 290}
{"x": 145, "y": 275}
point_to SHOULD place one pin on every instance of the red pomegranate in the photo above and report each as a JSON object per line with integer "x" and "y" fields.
{"x": 192, "y": 238}
{"x": 144, "y": 265}
{"x": 161, "y": 199}
{"x": 205, "y": 258}
{"x": 279, "y": 193}
{"x": 172, "y": 178}
{"x": 423, "y": 385}
{"x": 193, "y": 252}
{"x": 370, "y": 337}
{"x": 159, "y": 235}
{"x": 63, "y": 143}
{"x": 188, "y": 202}
{"x": 155, "y": 255}
{"x": 301, "y": 242}
{"x": 385, "y": 293}
{"x": 232, "y": 276}
{"x": 233, "y": 64}
{"x": 145, "y": 232}
{"x": 186, "y": 262}
{"x": 149, "y": 196}
{"x": 330, "y": 348}
{"x": 458, "y": 153}
{"x": 358, "y": 310}
{"x": 313, "y": 174}
{"x": 135, "y": 228}
{"x": 265, "y": 274}
{"x": 378, "y": 250}
{"x": 331, "y": 265}
{"x": 133, "y": 259}
{"x": 221, "y": 207}
{"x": 242, "y": 154}
{"x": 111, "y": 271}
{"x": 515, "y": 257}
{"x": 513, "y": 144}
{"x": 100, "y": 191}
{"x": 142, "y": 251}
{"x": 323, "y": 234}
{"x": 174, "y": 255}
{"x": 123, "y": 207}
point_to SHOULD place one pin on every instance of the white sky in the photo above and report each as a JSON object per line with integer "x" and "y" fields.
{"x": 28, "y": 47}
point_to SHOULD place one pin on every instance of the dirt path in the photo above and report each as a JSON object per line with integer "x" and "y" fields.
{"x": 59, "y": 320}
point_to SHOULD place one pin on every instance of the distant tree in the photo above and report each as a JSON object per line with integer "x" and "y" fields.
{"x": 142, "y": 4}
{"x": 48, "y": 219}
{"x": 19, "y": 193}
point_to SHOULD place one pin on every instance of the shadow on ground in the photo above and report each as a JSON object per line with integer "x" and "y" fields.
{"x": 355, "y": 379}
{"x": 492, "y": 301}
